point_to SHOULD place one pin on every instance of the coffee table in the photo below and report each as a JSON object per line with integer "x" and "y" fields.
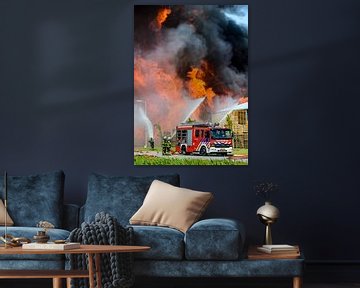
{"x": 92, "y": 251}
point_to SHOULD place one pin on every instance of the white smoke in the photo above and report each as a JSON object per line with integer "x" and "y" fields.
{"x": 238, "y": 14}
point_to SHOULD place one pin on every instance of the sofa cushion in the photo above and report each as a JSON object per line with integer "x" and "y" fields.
{"x": 9, "y": 221}
{"x": 170, "y": 206}
{"x": 119, "y": 196}
{"x": 35, "y": 198}
{"x": 214, "y": 239}
{"x": 29, "y": 232}
{"x": 165, "y": 243}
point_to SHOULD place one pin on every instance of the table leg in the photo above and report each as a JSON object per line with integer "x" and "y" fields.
{"x": 68, "y": 282}
{"x": 98, "y": 270}
{"x": 297, "y": 282}
{"x": 91, "y": 270}
{"x": 57, "y": 283}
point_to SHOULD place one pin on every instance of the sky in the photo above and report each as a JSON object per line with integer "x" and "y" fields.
{"x": 239, "y": 14}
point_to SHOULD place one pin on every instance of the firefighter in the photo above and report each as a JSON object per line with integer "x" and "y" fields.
{"x": 152, "y": 143}
{"x": 166, "y": 145}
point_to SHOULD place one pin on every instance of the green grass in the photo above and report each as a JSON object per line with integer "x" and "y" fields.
{"x": 238, "y": 151}
{"x": 152, "y": 160}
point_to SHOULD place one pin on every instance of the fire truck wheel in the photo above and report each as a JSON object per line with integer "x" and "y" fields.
{"x": 203, "y": 151}
{"x": 183, "y": 150}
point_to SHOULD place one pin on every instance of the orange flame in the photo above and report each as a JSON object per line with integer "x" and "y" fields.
{"x": 162, "y": 90}
{"x": 161, "y": 17}
{"x": 197, "y": 85}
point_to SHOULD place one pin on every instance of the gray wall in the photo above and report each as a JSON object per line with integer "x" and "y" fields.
{"x": 66, "y": 103}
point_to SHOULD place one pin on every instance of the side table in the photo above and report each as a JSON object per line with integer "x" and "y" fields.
{"x": 288, "y": 259}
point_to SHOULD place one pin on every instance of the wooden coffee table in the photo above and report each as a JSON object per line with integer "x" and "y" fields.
{"x": 92, "y": 251}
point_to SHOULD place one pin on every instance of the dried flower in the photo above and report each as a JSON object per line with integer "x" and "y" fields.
{"x": 45, "y": 225}
{"x": 264, "y": 189}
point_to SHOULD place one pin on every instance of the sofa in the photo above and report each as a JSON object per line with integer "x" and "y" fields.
{"x": 32, "y": 199}
{"x": 209, "y": 248}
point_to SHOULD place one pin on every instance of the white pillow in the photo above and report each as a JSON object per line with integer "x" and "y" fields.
{"x": 170, "y": 206}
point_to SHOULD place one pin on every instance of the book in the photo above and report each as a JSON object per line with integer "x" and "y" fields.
{"x": 51, "y": 246}
{"x": 255, "y": 254}
{"x": 277, "y": 249}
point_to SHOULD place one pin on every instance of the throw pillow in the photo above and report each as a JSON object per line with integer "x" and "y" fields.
{"x": 170, "y": 206}
{"x": 9, "y": 221}
{"x": 35, "y": 198}
{"x": 120, "y": 196}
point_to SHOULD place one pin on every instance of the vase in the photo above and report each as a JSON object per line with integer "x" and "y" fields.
{"x": 268, "y": 214}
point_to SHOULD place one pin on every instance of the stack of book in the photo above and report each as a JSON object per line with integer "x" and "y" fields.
{"x": 279, "y": 249}
{"x": 274, "y": 252}
{"x": 51, "y": 246}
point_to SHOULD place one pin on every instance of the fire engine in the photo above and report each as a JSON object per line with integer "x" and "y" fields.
{"x": 203, "y": 139}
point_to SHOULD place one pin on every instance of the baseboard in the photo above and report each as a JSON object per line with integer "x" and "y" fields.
{"x": 332, "y": 271}
{"x": 314, "y": 272}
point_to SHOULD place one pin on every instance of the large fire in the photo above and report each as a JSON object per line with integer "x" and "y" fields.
{"x": 161, "y": 17}
{"x": 197, "y": 85}
{"x": 169, "y": 95}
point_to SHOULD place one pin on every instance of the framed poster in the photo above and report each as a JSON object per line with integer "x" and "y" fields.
{"x": 191, "y": 85}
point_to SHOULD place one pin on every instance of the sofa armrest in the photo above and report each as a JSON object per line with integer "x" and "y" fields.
{"x": 70, "y": 216}
{"x": 215, "y": 239}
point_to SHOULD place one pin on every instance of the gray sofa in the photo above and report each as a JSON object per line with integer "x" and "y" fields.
{"x": 210, "y": 248}
{"x": 32, "y": 199}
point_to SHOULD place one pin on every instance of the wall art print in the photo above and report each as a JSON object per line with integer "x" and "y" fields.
{"x": 191, "y": 85}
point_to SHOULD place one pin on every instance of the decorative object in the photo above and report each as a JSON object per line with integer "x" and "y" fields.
{"x": 191, "y": 70}
{"x": 170, "y": 206}
{"x": 41, "y": 236}
{"x": 45, "y": 225}
{"x": 117, "y": 268}
{"x": 11, "y": 241}
{"x": 268, "y": 213}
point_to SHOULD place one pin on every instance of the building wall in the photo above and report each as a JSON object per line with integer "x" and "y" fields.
{"x": 240, "y": 128}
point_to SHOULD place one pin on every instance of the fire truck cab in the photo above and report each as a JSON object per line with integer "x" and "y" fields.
{"x": 203, "y": 139}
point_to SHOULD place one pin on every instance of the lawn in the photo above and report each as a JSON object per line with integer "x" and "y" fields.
{"x": 169, "y": 160}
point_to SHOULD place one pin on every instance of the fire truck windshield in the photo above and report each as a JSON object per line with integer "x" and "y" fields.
{"x": 221, "y": 133}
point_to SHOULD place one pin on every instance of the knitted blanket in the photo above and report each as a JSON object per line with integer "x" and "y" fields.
{"x": 116, "y": 268}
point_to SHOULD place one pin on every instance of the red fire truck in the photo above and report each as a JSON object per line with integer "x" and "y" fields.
{"x": 203, "y": 139}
